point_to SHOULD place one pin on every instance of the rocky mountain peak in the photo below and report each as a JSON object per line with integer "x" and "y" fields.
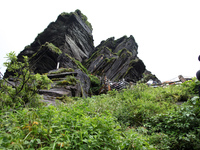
{"x": 71, "y": 33}
{"x": 68, "y": 43}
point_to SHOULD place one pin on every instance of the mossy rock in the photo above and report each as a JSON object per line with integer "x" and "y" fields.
{"x": 69, "y": 80}
{"x": 61, "y": 70}
{"x": 78, "y": 63}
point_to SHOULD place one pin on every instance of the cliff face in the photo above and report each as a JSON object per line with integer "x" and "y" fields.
{"x": 69, "y": 42}
{"x": 117, "y": 59}
{"x": 70, "y": 34}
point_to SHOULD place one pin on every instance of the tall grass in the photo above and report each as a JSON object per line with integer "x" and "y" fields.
{"x": 141, "y": 117}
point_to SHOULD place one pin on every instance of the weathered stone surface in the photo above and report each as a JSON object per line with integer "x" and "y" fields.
{"x": 70, "y": 34}
{"x": 81, "y": 88}
{"x": 61, "y": 75}
{"x": 69, "y": 42}
{"x": 84, "y": 84}
{"x": 56, "y": 92}
{"x": 117, "y": 59}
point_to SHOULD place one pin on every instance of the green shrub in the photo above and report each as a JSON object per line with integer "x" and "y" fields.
{"x": 182, "y": 124}
{"x": 69, "y": 127}
{"x": 95, "y": 84}
{"x": 192, "y": 86}
{"x": 25, "y": 86}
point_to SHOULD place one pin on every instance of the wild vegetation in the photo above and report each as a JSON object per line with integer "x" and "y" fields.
{"x": 139, "y": 118}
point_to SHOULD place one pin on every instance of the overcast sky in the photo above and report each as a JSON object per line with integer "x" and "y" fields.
{"x": 167, "y": 31}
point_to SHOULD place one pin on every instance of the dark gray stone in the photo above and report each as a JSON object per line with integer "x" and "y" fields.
{"x": 117, "y": 59}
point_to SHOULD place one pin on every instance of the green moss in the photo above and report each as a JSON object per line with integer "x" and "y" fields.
{"x": 50, "y": 46}
{"x": 127, "y": 71}
{"x": 55, "y": 79}
{"x": 65, "y": 14}
{"x": 133, "y": 61}
{"x": 110, "y": 60}
{"x": 122, "y": 51}
{"x": 53, "y": 48}
{"x": 65, "y": 99}
{"x": 78, "y": 63}
{"x": 84, "y": 18}
{"x": 61, "y": 70}
{"x": 94, "y": 55}
{"x": 69, "y": 80}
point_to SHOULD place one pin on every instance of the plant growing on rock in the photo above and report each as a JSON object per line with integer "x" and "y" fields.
{"x": 69, "y": 80}
{"x": 61, "y": 70}
{"x": 24, "y": 86}
{"x": 95, "y": 84}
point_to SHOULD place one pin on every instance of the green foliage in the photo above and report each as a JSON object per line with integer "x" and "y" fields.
{"x": 65, "y": 99}
{"x": 138, "y": 118}
{"x": 25, "y": 85}
{"x": 181, "y": 124}
{"x": 61, "y": 70}
{"x": 192, "y": 86}
{"x": 69, "y": 80}
{"x": 56, "y": 128}
{"x": 133, "y": 106}
{"x": 95, "y": 84}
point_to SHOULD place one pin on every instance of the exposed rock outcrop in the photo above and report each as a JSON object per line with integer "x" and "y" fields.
{"x": 68, "y": 43}
{"x": 117, "y": 59}
{"x": 70, "y": 34}
{"x": 73, "y": 84}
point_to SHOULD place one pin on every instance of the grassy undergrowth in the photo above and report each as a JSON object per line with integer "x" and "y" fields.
{"x": 138, "y": 118}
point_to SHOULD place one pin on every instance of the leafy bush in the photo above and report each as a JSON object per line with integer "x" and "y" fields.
{"x": 55, "y": 128}
{"x": 95, "y": 84}
{"x": 24, "y": 86}
{"x": 182, "y": 124}
{"x": 138, "y": 118}
{"x": 192, "y": 86}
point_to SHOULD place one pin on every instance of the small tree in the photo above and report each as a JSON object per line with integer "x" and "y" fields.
{"x": 24, "y": 86}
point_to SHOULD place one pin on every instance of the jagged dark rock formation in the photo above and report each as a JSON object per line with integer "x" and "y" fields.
{"x": 147, "y": 75}
{"x": 69, "y": 42}
{"x": 70, "y": 34}
{"x": 117, "y": 59}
